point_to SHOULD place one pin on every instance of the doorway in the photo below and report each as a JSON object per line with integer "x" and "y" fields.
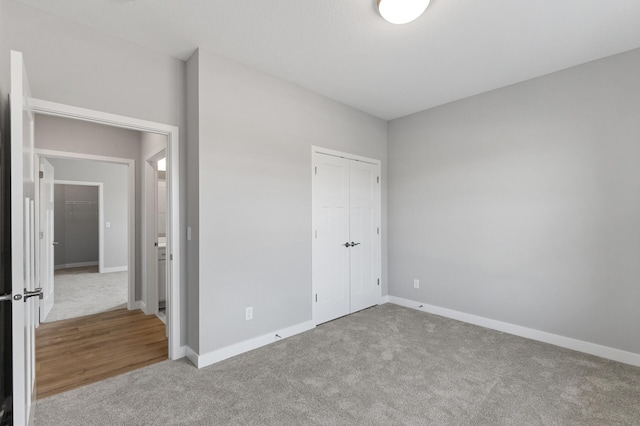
{"x": 72, "y": 241}
{"x": 171, "y": 135}
{"x": 346, "y": 249}
{"x": 93, "y": 252}
{"x": 155, "y": 216}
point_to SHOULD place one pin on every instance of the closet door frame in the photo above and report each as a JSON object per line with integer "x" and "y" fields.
{"x": 315, "y": 152}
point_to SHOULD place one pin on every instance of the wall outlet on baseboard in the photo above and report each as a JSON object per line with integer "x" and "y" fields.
{"x": 416, "y": 283}
{"x": 249, "y": 313}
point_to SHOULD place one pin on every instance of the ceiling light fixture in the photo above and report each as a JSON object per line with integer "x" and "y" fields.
{"x": 402, "y": 11}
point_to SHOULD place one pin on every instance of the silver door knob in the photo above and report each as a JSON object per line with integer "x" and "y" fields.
{"x": 347, "y": 244}
{"x": 354, "y": 244}
{"x": 55, "y": 243}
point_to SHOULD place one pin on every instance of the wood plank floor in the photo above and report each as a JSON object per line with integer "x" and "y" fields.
{"x": 78, "y": 351}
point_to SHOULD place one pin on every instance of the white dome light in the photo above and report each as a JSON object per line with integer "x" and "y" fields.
{"x": 402, "y": 11}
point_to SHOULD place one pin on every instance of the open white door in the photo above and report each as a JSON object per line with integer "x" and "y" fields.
{"x": 22, "y": 245}
{"x": 46, "y": 237}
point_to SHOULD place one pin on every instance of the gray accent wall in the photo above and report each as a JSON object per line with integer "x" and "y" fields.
{"x": 115, "y": 187}
{"x": 76, "y": 225}
{"x": 521, "y": 204}
{"x": 254, "y": 156}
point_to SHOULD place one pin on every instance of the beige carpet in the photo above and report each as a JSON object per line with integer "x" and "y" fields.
{"x": 387, "y": 365}
{"x": 83, "y": 291}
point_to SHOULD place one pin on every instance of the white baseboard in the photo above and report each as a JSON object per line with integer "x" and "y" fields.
{"x": 530, "y": 333}
{"x": 192, "y": 356}
{"x": 136, "y": 304}
{"x": 246, "y": 346}
{"x": 384, "y": 299}
{"x": 75, "y": 265}
{"x": 181, "y": 352}
{"x": 114, "y": 269}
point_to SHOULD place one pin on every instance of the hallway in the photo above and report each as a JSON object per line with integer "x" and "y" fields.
{"x": 78, "y": 351}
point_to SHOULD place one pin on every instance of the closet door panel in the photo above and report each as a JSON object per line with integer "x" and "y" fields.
{"x": 330, "y": 266}
{"x": 364, "y": 199}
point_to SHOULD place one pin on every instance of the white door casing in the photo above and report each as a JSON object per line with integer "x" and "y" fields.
{"x": 176, "y": 349}
{"x": 346, "y": 249}
{"x": 46, "y": 237}
{"x": 23, "y": 269}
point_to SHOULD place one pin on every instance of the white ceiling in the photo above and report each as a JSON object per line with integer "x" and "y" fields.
{"x": 344, "y": 50}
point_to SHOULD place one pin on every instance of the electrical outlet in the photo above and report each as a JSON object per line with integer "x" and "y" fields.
{"x": 416, "y": 283}
{"x": 249, "y": 313}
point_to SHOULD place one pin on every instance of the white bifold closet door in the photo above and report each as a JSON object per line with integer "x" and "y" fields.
{"x": 346, "y": 239}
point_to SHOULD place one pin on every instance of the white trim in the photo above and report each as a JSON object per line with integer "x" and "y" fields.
{"x": 74, "y": 265}
{"x": 173, "y": 197}
{"x": 181, "y": 351}
{"x": 100, "y": 186}
{"x": 114, "y": 269}
{"x": 246, "y": 346}
{"x": 325, "y": 151}
{"x": 530, "y": 333}
{"x": 138, "y": 304}
{"x": 192, "y": 356}
{"x": 78, "y": 113}
{"x": 384, "y": 299}
{"x": 131, "y": 208}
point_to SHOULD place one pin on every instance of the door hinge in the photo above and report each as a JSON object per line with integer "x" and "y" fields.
{"x": 316, "y": 297}
{"x": 316, "y": 233}
{"x": 171, "y": 256}
{"x": 41, "y": 235}
{"x": 378, "y": 230}
{"x": 378, "y": 281}
{"x": 378, "y": 179}
{"x": 316, "y": 169}
{"x": 41, "y": 174}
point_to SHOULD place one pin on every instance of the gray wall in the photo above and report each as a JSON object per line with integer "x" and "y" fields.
{"x": 254, "y": 141}
{"x": 521, "y": 204}
{"x": 115, "y": 186}
{"x": 71, "y": 64}
{"x": 76, "y": 225}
